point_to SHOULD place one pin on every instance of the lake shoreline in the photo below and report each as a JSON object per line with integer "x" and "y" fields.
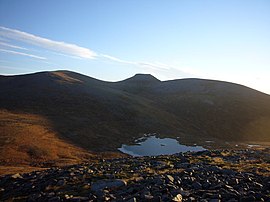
{"x": 152, "y": 145}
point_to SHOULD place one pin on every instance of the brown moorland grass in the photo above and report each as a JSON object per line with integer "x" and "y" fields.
{"x": 28, "y": 143}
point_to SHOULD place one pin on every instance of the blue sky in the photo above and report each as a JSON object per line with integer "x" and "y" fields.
{"x": 111, "y": 40}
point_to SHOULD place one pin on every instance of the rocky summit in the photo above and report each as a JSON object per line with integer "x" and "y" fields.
{"x": 217, "y": 175}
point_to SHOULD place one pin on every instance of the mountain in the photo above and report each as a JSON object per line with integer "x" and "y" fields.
{"x": 99, "y": 116}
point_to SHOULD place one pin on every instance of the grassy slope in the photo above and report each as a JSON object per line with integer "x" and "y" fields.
{"x": 28, "y": 142}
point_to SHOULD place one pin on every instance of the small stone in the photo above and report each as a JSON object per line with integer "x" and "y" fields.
{"x": 61, "y": 183}
{"x": 236, "y": 181}
{"x": 86, "y": 186}
{"x": 165, "y": 197}
{"x": 228, "y": 172}
{"x": 257, "y": 185}
{"x": 185, "y": 193}
{"x": 54, "y": 199}
{"x": 110, "y": 184}
{"x": 206, "y": 184}
{"x": 72, "y": 174}
{"x": 33, "y": 197}
{"x": 215, "y": 169}
{"x": 51, "y": 194}
{"x": 215, "y": 200}
{"x": 177, "y": 198}
{"x": 148, "y": 197}
{"x": 106, "y": 198}
{"x": 75, "y": 200}
{"x": 16, "y": 176}
{"x": 78, "y": 199}
{"x": 132, "y": 200}
{"x": 228, "y": 187}
{"x": 138, "y": 179}
{"x": 169, "y": 178}
{"x": 197, "y": 185}
{"x": 232, "y": 200}
{"x": 258, "y": 196}
{"x": 190, "y": 199}
{"x": 90, "y": 171}
{"x": 67, "y": 196}
{"x": 216, "y": 196}
{"x": 247, "y": 199}
{"x": 218, "y": 186}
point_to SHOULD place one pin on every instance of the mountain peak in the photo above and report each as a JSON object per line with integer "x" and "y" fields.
{"x": 143, "y": 78}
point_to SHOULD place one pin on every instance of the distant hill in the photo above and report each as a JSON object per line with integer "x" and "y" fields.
{"x": 100, "y": 116}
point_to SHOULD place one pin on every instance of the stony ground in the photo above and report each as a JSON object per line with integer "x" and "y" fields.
{"x": 219, "y": 175}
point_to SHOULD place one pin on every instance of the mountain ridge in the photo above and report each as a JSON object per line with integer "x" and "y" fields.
{"x": 99, "y": 116}
{"x": 135, "y": 78}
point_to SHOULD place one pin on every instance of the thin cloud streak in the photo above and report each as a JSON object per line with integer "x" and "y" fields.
{"x": 62, "y": 47}
{"x": 117, "y": 59}
{"x": 15, "y": 68}
{"x": 12, "y": 46}
{"x": 4, "y": 39}
{"x": 65, "y": 55}
{"x": 150, "y": 65}
{"x": 155, "y": 65}
{"x": 24, "y": 54}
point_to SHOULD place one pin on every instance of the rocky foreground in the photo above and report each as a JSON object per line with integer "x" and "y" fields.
{"x": 220, "y": 175}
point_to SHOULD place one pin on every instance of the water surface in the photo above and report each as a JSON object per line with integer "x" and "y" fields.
{"x": 153, "y": 146}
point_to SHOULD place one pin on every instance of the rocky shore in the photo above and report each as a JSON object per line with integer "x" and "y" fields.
{"x": 219, "y": 175}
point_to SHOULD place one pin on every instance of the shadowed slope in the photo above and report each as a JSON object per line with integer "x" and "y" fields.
{"x": 219, "y": 109}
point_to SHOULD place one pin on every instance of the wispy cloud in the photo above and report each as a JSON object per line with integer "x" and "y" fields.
{"x": 115, "y": 59}
{"x": 12, "y": 46}
{"x": 151, "y": 65}
{"x": 58, "y": 46}
{"x": 154, "y": 65}
{"x": 77, "y": 52}
{"x": 24, "y": 54}
{"x": 65, "y": 55}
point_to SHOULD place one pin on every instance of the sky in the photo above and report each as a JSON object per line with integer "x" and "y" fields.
{"x": 226, "y": 40}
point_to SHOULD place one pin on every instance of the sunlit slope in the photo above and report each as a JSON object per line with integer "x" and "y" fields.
{"x": 99, "y": 115}
{"x": 28, "y": 139}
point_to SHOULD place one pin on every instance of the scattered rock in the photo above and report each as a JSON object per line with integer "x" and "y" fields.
{"x": 197, "y": 185}
{"x": 160, "y": 178}
{"x": 110, "y": 184}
